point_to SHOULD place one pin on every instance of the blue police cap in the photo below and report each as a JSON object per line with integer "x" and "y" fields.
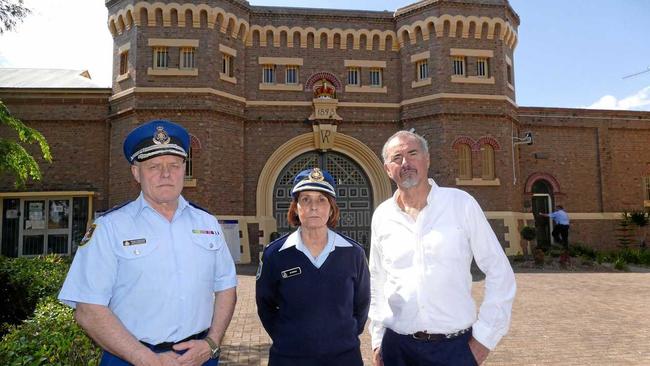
{"x": 156, "y": 138}
{"x": 314, "y": 180}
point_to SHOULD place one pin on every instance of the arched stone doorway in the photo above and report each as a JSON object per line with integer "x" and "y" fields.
{"x": 354, "y": 194}
{"x": 543, "y": 188}
{"x": 352, "y": 150}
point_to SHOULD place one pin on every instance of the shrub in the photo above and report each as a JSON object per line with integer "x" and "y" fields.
{"x": 620, "y": 264}
{"x": 24, "y": 281}
{"x": 528, "y": 233}
{"x": 49, "y": 337}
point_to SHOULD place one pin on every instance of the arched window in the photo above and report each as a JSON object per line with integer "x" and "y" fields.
{"x": 487, "y": 163}
{"x": 464, "y": 161}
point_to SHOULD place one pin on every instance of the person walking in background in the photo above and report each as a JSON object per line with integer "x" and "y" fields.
{"x": 423, "y": 240}
{"x": 153, "y": 282}
{"x": 312, "y": 288}
{"x": 561, "y": 225}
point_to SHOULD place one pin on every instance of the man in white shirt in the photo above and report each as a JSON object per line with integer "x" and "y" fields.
{"x": 422, "y": 244}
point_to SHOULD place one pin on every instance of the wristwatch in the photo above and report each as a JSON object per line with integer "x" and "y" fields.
{"x": 215, "y": 350}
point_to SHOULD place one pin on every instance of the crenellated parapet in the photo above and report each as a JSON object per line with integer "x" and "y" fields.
{"x": 458, "y": 26}
{"x": 144, "y": 13}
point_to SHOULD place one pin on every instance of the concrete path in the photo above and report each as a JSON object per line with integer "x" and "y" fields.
{"x": 558, "y": 319}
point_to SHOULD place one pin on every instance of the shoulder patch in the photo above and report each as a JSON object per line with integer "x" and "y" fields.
{"x": 199, "y": 207}
{"x": 88, "y": 235}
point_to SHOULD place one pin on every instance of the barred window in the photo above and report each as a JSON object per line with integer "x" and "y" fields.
{"x": 227, "y": 65}
{"x": 482, "y": 67}
{"x": 375, "y": 77}
{"x": 268, "y": 74}
{"x": 291, "y": 75}
{"x": 464, "y": 161}
{"x": 124, "y": 62}
{"x": 187, "y": 58}
{"x": 646, "y": 187}
{"x": 188, "y": 164}
{"x": 422, "y": 69}
{"x": 459, "y": 65}
{"x": 160, "y": 58}
{"x": 487, "y": 165}
{"x": 353, "y": 76}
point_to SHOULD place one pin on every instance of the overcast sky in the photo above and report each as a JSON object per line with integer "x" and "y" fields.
{"x": 571, "y": 53}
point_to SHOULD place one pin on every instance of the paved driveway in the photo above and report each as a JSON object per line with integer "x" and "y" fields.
{"x": 558, "y": 319}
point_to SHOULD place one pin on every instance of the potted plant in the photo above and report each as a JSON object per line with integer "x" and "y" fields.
{"x": 528, "y": 233}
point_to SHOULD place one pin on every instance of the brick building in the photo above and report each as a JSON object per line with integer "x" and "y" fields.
{"x": 268, "y": 91}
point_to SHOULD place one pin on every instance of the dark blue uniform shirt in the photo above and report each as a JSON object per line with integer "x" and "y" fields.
{"x": 310, "y": 311}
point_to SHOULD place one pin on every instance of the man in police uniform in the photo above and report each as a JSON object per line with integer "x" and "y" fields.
{"x": 153, "y": 282}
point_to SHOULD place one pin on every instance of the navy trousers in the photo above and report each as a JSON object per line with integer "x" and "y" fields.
{"x": 404, "y": 350}
{"x": 348, "y": 358}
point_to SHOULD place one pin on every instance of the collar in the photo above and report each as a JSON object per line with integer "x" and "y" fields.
{"x": 333, "y": 240}
{"x": 430, "y": 196}
{"x": 141, "y": 204}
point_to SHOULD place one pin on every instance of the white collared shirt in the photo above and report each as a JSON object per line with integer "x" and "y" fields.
{"x": 333, "y": 240}
{"x": 420, "y": 269}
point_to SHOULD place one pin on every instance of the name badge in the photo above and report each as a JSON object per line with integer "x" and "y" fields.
{"x": 291, "y": 272}
{"x": 128, "y": 243}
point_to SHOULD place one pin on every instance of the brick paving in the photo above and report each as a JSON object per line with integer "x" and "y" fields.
{"x": 558, "y": 319}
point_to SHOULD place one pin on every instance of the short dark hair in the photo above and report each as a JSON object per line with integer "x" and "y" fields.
{"x": 294, "y": 220}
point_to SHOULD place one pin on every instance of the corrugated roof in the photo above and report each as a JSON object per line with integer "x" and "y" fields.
{"x": 46, "y": 78}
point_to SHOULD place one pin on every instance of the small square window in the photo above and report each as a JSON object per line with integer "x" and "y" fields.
{"x": 227, "y": 65}
{"x": 459, "y": 65}
{"x": 353, "y": 76}
{"x": 375, "y": 77}
{"x": 422, "y": 67}
{"x": 482, "y": 70}
{"x": 187, "y": 58}
{"x": 160, "y": 58}
{"x": 268, "y": 74}
{"x": 291, "y": 75}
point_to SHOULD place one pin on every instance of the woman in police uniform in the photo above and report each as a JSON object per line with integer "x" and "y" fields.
{"x": 313, "y": 287}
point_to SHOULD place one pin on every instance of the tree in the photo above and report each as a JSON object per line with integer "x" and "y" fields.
{"x": 11, "y": 12}
{"x": 14, "y": 159}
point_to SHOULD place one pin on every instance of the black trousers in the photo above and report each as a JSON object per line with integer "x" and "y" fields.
{"x": 561, "y": 234}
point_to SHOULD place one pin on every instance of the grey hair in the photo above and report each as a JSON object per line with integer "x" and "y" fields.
{"x": 403, "y": 133}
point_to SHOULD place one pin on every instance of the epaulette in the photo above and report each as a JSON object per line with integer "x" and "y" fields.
{"x": 199, "y": 208}
{"x": 280, "y": 239}
{"x": 114, "y": 208}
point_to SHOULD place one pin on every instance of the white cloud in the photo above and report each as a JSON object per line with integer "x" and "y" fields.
{"x": 62, "y": 34}
{"x": 640, "y": 101}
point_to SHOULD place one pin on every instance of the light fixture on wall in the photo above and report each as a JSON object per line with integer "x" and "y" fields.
{"x": 527, "y": 139}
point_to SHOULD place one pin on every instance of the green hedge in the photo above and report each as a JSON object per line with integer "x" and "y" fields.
{"x": 25, "y": 281}
{"x": 50, "y": 337}
{"x": 39, "y": 330}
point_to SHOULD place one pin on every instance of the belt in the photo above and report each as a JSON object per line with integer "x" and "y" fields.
{"x": 428, "y": 337}
{"x": 167, "y": 346}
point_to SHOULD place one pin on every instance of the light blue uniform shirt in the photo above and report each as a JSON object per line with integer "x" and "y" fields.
{"x": 560, "y": 217}
{"x": 333, "y": 240}
{"x": 158, "y": 277}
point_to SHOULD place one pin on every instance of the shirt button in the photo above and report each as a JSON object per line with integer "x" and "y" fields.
{"x": 211, "y": 245}
{"x": 136, "y": 252}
